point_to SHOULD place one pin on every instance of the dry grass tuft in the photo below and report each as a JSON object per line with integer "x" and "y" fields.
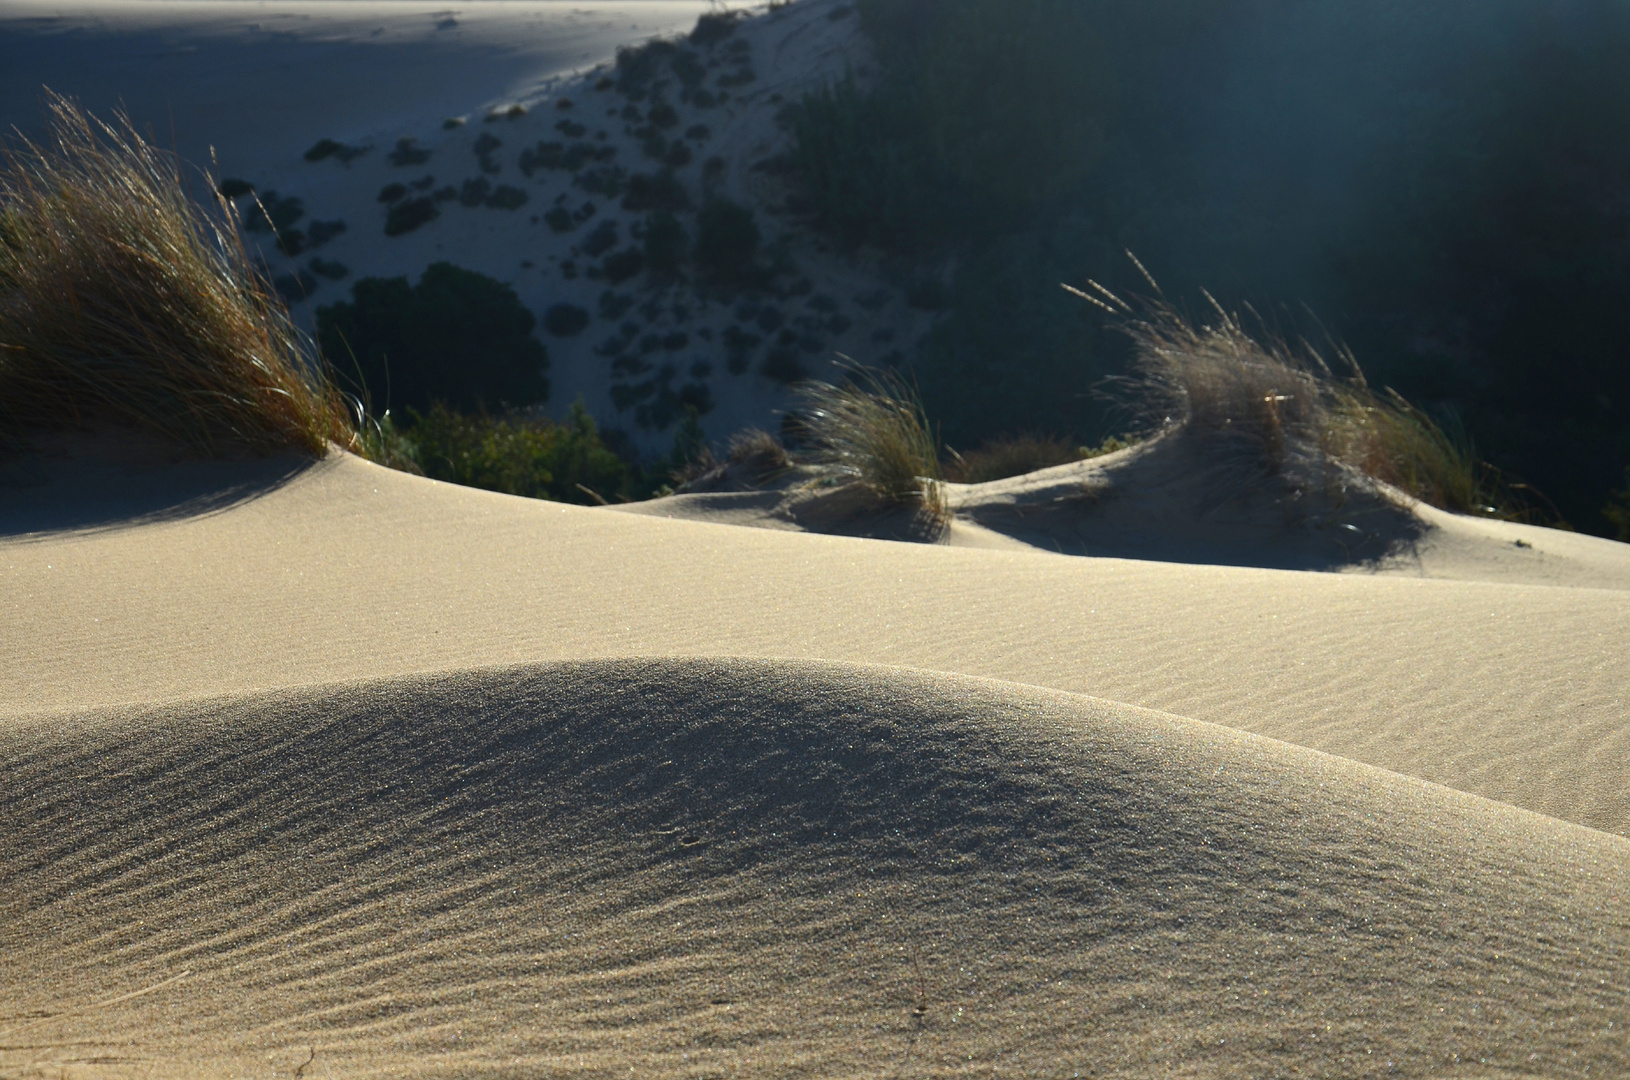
{"x": 758, "y": 450}
{"x": 122, "y": 298}
{"x": 1265, "y": 403}
{"x": 871, "y": 432}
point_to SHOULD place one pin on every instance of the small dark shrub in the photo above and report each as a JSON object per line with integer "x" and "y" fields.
{"x": 404, "y": 217}
{"x": 391, "y": 192}
{"x": 457, "y": 337}
{"x": 506, "y": 197}
{"x": 329, "y": 269}
{"x": 691, "y": 71}
{"x": 270, "y": 213}
{"x": 323, "y": 148}
{"x": 560, "y": 219}
{"x": 661, "y": 192}
{"x": 622, "y": 265}
{"x": 663, "y": 115}
{"x": 321, "y": 232}
{"x": 639, "y": 65}
{"x": 607, "y": 180}
{"x": 678, "y": 156}
{"x": 714, "y": 27}
{"x": 235, "y": 189}
{"x": 726, "y": 241}
{"x": 571, "y": 129}
{"x": 600, "y": 241}
{"x": 565, "y": 320}
{"x": 408, "y": 152}
{"x": 666, "y": 242}
{"x": 698, "y": 132}
{"x": 614, "y": 305}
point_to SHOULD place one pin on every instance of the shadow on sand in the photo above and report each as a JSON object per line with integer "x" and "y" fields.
{"x": 51, "y": 490}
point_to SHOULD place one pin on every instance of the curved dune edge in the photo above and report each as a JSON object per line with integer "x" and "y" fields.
{"x": 219, "y": 579}
{"x": 747, "y": 867}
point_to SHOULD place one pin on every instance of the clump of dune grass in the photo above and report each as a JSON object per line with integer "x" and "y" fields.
{"x": 121, "y": 298}
{"x": 759, "y": 451}
{"x": 870, "y": 432}
{"x": 1266, "y": 402}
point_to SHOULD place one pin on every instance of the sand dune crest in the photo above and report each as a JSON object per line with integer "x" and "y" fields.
{"x": 736, "y": 867}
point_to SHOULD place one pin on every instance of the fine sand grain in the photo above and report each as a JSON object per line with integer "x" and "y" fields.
{"x": 750, "y": 868}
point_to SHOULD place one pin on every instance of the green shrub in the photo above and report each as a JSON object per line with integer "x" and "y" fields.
{"x": 121, "y": 297}
{"x": 457, "y": 337}
{"x": 534, "y": 457}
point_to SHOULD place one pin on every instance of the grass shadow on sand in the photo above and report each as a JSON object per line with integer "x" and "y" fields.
{"x": 58, "y": 487}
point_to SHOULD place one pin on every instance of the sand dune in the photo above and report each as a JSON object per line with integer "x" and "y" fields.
{"x": 348, "y": 571}
{"x": 749, "y": 868}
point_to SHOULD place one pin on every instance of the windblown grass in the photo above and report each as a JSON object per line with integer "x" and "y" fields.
{"x": 870, "y": 431}
{"x": 122, "y": 298}
{"x": 1267, "y": 403}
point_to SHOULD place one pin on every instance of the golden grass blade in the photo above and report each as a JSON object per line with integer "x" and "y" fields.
{"x": 123, "y": 298}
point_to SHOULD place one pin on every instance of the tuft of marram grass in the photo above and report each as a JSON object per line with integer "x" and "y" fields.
{"x": 123, "y": 298}
{"x": 1272, "y": 404}
{"x": 870, "y": 431}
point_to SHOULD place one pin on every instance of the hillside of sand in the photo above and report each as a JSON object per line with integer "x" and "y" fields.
{"x": 328, "y": 770}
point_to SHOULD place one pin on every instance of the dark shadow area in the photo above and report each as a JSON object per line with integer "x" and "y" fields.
{"x": 44, "y": 492}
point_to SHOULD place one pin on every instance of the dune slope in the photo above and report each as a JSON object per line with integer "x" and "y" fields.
{"x": 347, "y": 571}
{"x": 698, "y": 867}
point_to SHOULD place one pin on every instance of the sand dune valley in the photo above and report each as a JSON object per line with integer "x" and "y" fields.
{"x": 315, "y": 768}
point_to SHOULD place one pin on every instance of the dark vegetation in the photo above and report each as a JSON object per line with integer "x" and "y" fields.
{"x": 536, "y": 457}
{"x": 457, "y": 337}
{"x": 1446, "y": 186}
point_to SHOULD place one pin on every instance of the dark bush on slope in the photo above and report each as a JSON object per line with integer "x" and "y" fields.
{"x": 457, "y": 337}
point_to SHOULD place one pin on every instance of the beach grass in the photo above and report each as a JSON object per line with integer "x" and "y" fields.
{"x": 122, "y": 298}
{"x": 1266, "y": 402}
{"x": 870, "y": 431}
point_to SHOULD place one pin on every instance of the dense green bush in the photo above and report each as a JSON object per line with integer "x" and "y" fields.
{"x": 535, "y": 457}
{"x": 457, "y": 337}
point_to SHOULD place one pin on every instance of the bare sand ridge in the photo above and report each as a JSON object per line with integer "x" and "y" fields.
{"x": 774, "y": 868}
{"x": 275, "y": 805}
